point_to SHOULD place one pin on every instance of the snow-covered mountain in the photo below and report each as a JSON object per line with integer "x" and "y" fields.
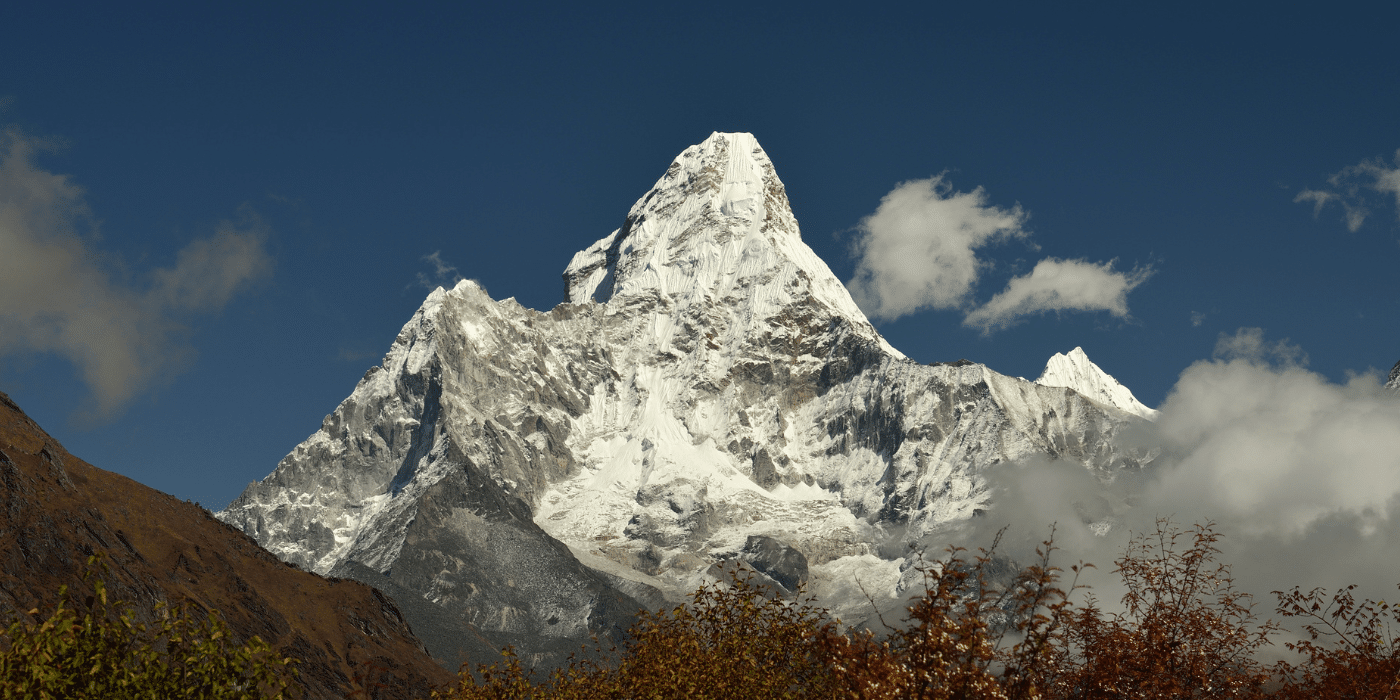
{"x": 1393, "y": 380}
{"x": 708, "y": 391}
{"x": 1075, "y": 371}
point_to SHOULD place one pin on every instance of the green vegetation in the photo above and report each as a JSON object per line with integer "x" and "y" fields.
{"x": 102, "y": 652}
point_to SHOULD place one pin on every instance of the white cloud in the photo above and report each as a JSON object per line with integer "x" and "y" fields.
{"x": 919, "y": 249}
{"x": 57, "y": 297}
{"x": 1059, "y": 285}
{"x": 1197, "y": 318}
{"x": 1249, "y": 344}
{"x": 1355, "y": 187}
{"x": 1301, "y": 474}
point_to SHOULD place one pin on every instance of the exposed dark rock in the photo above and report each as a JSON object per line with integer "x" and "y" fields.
{"x": 776, "y": 560}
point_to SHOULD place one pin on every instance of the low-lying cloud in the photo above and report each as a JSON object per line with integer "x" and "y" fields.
{"x": 1357, "y": 189}
{"x": 1059, "y": 285}
{"x": 919, "y": 250}
{"x": 1301, "y": 474}
{"x": 58, "y": 296}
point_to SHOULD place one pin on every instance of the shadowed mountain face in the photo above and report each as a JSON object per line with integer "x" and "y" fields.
{"x": 58, "y": 510}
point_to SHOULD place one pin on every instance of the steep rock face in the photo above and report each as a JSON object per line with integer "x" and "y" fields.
{"x": 410, "y": 479}
{"x": 1393, "y": 380}
{"x": 708, "y": 380}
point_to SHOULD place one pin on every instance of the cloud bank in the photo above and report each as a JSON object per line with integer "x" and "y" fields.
{"x": 919, "y": 250}
{"x": 1355, "y": 189}
{"x": 57, "y": 296}
{"x": 1301, "y": 475}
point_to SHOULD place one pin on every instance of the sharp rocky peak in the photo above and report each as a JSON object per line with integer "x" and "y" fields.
{"x": 1074, "y": 370}
{"x": 715, "y": 230}
{"x": 711, "y": 382}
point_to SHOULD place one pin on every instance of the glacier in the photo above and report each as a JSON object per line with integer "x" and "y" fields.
{"x": 708, "y": 392}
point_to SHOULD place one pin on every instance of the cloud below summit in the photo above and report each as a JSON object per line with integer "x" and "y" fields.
{"x": 57, "y": 295}
{"x": 919, "y": 250}
{"x": 1301, "y": 475}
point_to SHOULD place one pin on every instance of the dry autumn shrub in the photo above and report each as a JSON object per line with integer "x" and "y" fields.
{"x": 957, "y": 638}
{"x": 730, "y": 641}
{"x": 1184, "y": 632}
{"x": 1352, "y": 651}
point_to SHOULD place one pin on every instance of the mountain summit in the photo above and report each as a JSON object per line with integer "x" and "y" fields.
{"x": 707, "y": 393}
{"x": 716, "y": 232}
{"x": 1076, "y": 371}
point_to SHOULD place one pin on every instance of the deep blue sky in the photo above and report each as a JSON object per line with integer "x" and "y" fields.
{"x": 366, "y": 138}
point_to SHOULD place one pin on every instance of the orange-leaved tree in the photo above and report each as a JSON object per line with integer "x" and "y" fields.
{"x": 957, "y": 638}
{"x": 1185, "y": 631}
{"x": 732, "y": 640}
{"x": 1362, "y": 659}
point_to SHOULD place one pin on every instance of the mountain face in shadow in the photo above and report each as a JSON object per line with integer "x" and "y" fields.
{"x": 58, "y": 510}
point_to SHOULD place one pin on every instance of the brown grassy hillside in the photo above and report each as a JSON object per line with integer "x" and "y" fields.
{"x": 56, "y": 510}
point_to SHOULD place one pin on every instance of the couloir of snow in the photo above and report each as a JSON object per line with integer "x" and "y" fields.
{"x": 1075, "y": 371}
{"x": 708, "y": 379}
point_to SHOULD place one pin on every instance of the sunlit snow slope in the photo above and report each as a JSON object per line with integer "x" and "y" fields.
{"x": 1076, "y": 371}
{"x": 709, "y": 391}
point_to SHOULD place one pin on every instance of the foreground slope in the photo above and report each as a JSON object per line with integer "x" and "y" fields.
{"x": 708, "y": 392}
{"x": 58, "y": 510}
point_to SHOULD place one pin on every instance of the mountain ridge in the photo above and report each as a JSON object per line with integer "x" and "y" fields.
{"x": 708, "y": 380}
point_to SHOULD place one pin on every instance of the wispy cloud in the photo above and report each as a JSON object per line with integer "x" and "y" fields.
{"x": 56, "y": 296}
{"x": 919, "y": 250}
{"x": 1250, "y": 345}
{"x": 1059, "y": 285}
{"x": 1357, "y": 188}
{"x": 443, "y": 274}
{"x": 351, "y": 355}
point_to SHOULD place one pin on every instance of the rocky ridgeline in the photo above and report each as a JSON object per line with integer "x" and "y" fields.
{"x": 708, "y": 394}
